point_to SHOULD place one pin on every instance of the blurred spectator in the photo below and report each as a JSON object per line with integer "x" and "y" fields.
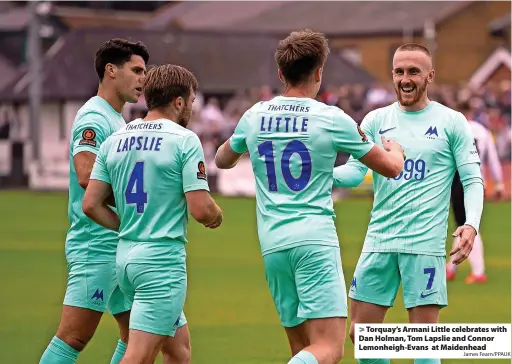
{"x": 5, "y": 126}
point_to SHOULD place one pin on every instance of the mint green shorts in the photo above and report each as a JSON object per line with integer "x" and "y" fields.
{"x": 378, "y": 275}
{"x": 154, "y": 275}
{"x": 306, "y": 282}
{"x": 93, "y": 285}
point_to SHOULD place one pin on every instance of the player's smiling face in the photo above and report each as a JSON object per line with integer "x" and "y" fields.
{"x": 130, "y": 78}
{"x": 412, "y": 72}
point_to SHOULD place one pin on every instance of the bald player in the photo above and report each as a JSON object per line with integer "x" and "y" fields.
{"x": 406, "y": 238}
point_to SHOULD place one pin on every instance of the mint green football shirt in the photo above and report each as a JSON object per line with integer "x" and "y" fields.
{"x": 151, "y": 165}
{"x": 95, "y": 121}
{"x": 410, "y": 212}
{"x": 293, "y": 143}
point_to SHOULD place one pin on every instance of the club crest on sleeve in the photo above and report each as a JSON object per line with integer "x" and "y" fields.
{"x": 88, "y": 138}
{"x": 202, "y": 170}
{"x": 361, "y": 132}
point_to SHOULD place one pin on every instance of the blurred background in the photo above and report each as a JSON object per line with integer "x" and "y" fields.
{"x": 46, "y": 74}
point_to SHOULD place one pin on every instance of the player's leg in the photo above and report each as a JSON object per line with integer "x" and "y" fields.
{"x": 119, "y": 306}
{"x": 457, "y": 202}
{"x": 372, "y": 291}
{"x": 424, "y": 290}
{"x": 84, "y": 303}
{"x": 322, "y": 302}
{"x": 281, "y": 282}
{"x": 143, "y": 347}
{"x": 298, "y": 337}
{"x": 177, "y": 350}
{"x": 77, "y": 327}
{"x": 428, "y": 314}
{"x": 160, "y": 288}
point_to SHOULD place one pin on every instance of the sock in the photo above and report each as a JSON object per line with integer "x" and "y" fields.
{"x": 119, "y": 353}
{"x": 476, "y": 257}
{"x": 452, "y": 267}
{"x": 373, "y": 361}
{"x": 427, "y": 361}
{"x": 58, "y": 352}
{"x": 303, "y": 357}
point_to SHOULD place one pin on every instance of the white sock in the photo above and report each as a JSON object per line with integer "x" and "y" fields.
{"x": 452, "y": 267}
{"x": 476, "y": 257}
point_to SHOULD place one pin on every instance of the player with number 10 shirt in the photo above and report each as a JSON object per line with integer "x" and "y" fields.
{"x": 292, "y": 141}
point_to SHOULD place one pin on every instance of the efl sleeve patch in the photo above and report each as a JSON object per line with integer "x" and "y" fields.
{"x": 202, "y": 170}
{"x": 88, "y": 138}
{"x": 361, "y": 132}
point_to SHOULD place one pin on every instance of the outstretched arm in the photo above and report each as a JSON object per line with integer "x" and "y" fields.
{"x": 350, "y": 174}
{"x": 359, "y": 141}
{"x": 226, "y": 157}
{"x": 232, "y": 150}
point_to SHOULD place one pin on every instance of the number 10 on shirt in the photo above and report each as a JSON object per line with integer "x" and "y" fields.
{"x": 266, "y": 150}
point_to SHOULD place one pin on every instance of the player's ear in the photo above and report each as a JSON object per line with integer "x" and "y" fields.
{"x": 280, "y": 75}
{"x": 110, "y": 70}
{"x": 179, "y": 102}
{"x": 431, "y": 75}
{"x": 318, "y": 74}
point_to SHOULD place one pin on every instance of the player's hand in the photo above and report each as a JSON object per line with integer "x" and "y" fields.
{"x": 218, "y": 220}
{"x": 392, "y": 146}
{"x": 463, "y": 248}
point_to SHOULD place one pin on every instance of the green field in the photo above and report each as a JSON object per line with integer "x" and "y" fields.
{"x": 229, "y": 309}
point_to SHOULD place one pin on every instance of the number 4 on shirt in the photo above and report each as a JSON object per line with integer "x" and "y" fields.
{"x": 139, "y": 197}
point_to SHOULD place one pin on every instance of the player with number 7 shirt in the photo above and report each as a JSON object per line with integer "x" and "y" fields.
{"x": 406, "y": 237}
{"x": 293, "y": 141}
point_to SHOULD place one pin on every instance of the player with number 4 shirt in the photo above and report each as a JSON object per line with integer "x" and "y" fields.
{"x": 155, "y": 169}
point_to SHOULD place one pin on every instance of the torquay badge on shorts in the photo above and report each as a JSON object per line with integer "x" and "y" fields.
{"x": 88, "y": 138}
{"x": 202, "y": 170}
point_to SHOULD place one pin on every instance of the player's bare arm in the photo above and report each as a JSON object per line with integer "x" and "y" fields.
{"x": 226, "y": 157}
{"x": 203, "y": 208}
{"x": 95, "y": 207}
{"x": 389, "y": 162}
{"x": 84, "y": 161}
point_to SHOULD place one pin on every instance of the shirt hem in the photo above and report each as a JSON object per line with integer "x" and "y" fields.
{"x": 79, "y": 149}
{"x": 301, "y": 243}
{"x": 404, "y": 251}
{"x": 196, "y": 187}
